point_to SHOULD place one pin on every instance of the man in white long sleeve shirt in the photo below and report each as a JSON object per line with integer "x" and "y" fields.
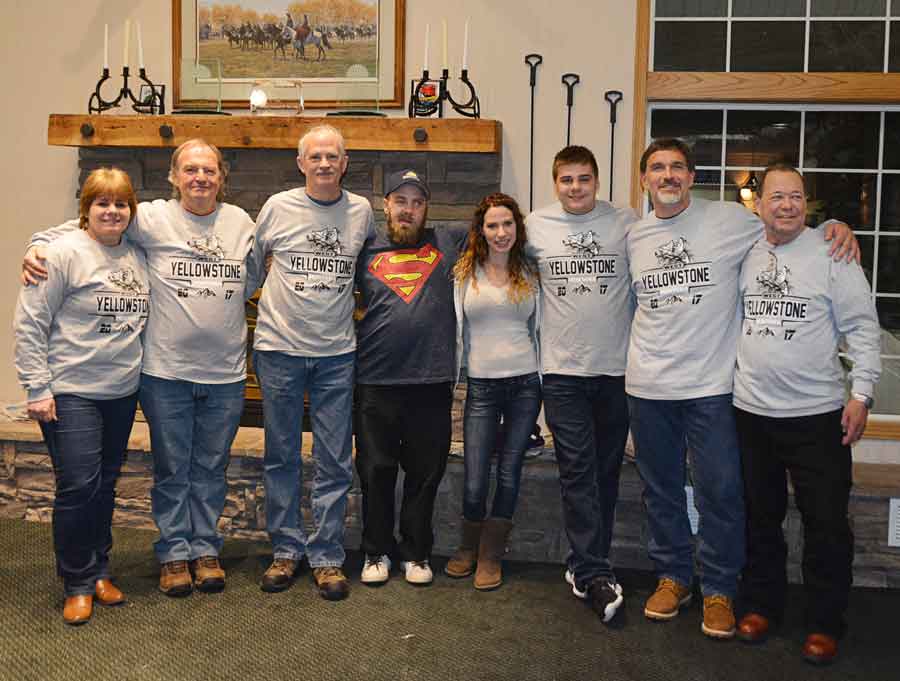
{"x": 789, "y": 393}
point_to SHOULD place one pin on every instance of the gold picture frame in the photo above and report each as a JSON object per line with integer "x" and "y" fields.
{"x": 326, "y": 83}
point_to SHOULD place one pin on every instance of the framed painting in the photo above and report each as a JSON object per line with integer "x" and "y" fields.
{"x": 344, "y": 53}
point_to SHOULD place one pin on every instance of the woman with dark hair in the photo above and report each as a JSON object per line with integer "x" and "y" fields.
{"x": 497, "y": 313}
{"x": 78, "y": 356}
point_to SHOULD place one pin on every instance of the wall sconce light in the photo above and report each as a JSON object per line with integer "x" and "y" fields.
{"x": 749, "y": 188}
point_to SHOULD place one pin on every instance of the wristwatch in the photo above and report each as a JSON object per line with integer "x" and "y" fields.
{"x": 865, "y": 399}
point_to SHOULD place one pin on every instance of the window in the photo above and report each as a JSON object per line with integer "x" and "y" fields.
{"x": 776, "y": 35}
{"x": 815, "y": 83}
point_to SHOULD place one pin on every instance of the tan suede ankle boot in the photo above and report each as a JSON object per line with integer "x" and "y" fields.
{"x": 462, "y": 564}
{"x": 494, "y": 533}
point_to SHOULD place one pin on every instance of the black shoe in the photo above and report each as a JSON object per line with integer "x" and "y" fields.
{"x": 280, "y": 575}
{"x": 536, "y": 443}
{"x": 605, "y": 597}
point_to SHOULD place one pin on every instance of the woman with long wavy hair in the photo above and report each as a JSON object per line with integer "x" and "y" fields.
{"x": 497, "y": 309}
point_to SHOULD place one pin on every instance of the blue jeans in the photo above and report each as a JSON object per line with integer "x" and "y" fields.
{"x": 588, "y": 416}
{"x": 87, "y": 445}
{"x": 518, "y": 400}
{"x": 664, "y": 431}
{"x": 192, "y": 426}
{"x": 283, "y": 380}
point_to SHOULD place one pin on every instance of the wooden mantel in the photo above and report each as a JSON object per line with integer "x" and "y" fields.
{"x": 275, "y": 132}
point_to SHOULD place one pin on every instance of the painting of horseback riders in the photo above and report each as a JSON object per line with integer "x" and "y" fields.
{"x": 311, "y": 39}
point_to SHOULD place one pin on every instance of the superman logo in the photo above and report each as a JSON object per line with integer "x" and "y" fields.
{"x": 406, "y": 271}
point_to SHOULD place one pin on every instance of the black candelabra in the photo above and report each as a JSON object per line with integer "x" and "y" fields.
{"x": 428, "y": 96}
{"x": 152, "y": 103}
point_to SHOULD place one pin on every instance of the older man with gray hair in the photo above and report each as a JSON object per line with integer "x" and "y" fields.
{"x": 800, "y": 310}
{"x": 305, "y": 343}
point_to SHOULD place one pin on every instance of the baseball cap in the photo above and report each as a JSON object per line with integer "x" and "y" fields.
{"x": 402, "y": 177}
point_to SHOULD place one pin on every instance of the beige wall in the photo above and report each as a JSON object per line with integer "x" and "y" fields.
{"x": 52, "y": 55}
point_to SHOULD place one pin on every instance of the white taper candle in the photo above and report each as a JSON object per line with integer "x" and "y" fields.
{"x": 140, "y": 46}
{"x": 126, "y": 45}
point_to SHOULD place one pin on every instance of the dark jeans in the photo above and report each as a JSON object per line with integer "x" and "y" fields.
{"x": 406, "y": 426}
{"x": 588, "y": 416}
{"x": 518, "y": 400}
{"x": 664, "y": 431}
{"x": 87, "y": 445}
{"x": 810, "y": 449}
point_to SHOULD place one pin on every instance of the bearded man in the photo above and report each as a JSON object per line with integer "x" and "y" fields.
{"x": 405, "y": 370}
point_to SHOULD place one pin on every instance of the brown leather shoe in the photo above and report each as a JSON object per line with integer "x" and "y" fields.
{"x": 78, "y": 609}
{"x": 209, "y": 577}
{"x": 107, "y": 593}
{"x": 175, "y": 578}
{"x": 753, "y": 628}
{"x": 820, "y": 649}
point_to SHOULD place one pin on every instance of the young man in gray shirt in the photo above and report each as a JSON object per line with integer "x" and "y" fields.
{"x": 586, "y": 311}
{"x": 789, "y": 393}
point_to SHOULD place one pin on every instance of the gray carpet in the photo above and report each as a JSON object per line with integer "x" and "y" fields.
{"x": 531, "y": 628}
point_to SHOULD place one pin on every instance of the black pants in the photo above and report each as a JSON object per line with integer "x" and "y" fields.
{"x": 810, "y": 449}
{"x": 588, "y": 416}
{"x": 404, "y": 426}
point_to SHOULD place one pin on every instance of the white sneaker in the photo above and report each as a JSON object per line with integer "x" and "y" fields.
{"x": 417, "y": 572}
{"x": 376, "y": 570}
{"x": 570, "y": 578}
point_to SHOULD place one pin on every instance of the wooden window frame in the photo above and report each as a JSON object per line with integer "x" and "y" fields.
{"x": 732, "y": 87}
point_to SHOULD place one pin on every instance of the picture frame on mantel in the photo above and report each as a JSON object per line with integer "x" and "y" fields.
{"x": 360, "y": 63}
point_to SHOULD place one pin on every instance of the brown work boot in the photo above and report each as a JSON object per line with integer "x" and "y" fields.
{"x": 494, "y": 533}
{"x": 462, "y": 564}
{"x": 209, "y": 577}
{"x": 175, "y": 578}
{"x": 666, "y": 600}
{"x": 280, "y": 575}
{"x": 718, "y": 616}
{"x": 331, "y": 582}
